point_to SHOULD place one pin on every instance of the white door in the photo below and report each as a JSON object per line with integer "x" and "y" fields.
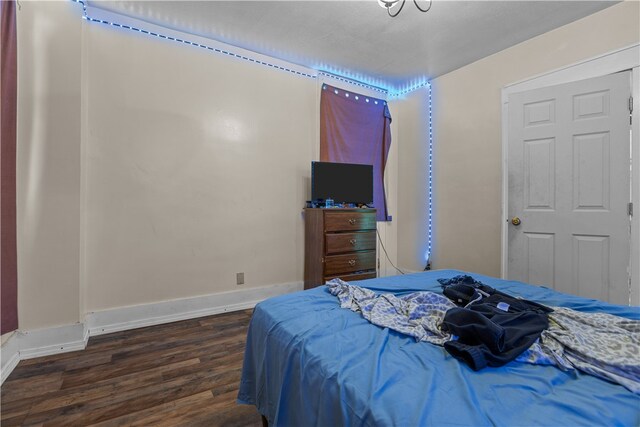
{"x": 569, "y": 187}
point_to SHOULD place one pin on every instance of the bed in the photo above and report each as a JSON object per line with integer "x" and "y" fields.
{"x": 310, "y": 362}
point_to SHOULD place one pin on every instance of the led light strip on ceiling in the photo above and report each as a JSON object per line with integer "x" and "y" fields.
{"x": 246, "y": 57}
{"x": 348, "y": 94}
{"x": 188, "y": 42}
{"x": 411, "y": 89}
{"x": 256, "y": 60}
{"x": 353, "y": 82}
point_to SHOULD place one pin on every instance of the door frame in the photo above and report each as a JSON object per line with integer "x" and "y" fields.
{"x": 627, "y": 58}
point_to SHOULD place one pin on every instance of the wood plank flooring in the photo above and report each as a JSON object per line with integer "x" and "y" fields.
{"x": 182, "y": 373}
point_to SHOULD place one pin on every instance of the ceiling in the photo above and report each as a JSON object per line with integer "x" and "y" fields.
{"x": 357, "y": 39}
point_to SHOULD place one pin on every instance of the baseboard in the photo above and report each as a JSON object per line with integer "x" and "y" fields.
{"x": 44, "y": 342}
{"x": 40, "y": 342}
{"x": 139, "y": 316}
{"x": 10, "y": 365}
{"x": 10, "y": 356}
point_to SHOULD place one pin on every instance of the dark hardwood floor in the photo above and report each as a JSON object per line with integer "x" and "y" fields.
{"x": 182, "y": 373}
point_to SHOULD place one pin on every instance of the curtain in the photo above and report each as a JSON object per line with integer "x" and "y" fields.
{"x": 8, "y": 90}
{"x": 355, "y": 128}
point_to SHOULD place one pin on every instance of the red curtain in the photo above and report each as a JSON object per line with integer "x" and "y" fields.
{"x": 355, "y": 128}
{"x": 8, "y": 90}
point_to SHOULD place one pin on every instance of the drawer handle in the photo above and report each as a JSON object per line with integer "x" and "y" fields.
{"x": 353, "y": 242}
{"x": 352, "y": 221}
{"x": 352, "y": 262}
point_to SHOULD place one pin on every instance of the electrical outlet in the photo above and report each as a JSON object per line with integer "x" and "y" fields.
{"x": 239, "y": 278}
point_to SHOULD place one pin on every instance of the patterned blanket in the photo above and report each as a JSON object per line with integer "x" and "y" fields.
{"x": 598, "y": 344}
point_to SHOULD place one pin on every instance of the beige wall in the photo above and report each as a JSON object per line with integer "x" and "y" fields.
{"x": 151, "y": 171}
{"x": 197, "y": 169}
{"x": 467, "y": 126}
{"x": 413, "y": 175}
{"x": 48, "y": 163}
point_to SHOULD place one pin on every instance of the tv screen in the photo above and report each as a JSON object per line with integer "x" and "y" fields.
{"x": 342, "y": 182}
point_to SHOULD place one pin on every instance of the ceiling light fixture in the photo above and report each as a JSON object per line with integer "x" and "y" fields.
{"x": 389, "y": 4}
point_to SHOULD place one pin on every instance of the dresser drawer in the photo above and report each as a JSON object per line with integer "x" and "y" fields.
{"x": 335, "y": 265}
{"x": 349, "y": 221}
{"x": 348, "y": 242}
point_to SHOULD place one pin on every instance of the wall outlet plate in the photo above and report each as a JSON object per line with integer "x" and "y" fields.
{"x": 239, "y": 278}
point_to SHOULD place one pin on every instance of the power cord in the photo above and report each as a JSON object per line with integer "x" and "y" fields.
{"x": 386, "y": 254}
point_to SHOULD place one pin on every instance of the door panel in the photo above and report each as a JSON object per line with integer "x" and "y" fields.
{"x": 591, "y": 105}
{"x": 539, "y": 113}
{"x": 568, "y": 183}
{"x": 591, "y": 173}
{"x": 539, "y": 173}
{"x": 591, "y": 268}
{"x": 540, "y": 258}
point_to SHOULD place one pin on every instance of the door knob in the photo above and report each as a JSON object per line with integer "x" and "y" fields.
{"x": 515, "y": 220}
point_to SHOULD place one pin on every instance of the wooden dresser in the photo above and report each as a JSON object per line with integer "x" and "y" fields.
{"x": 339, "y": 243}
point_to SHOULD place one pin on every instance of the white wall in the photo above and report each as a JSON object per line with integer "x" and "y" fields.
{"x": 152, "y": 171}
{"x": 197, "y": 169}
{"x": 467, "y": 138}
{"x": 48, "y": 163}
{"x": 413, "y": 176}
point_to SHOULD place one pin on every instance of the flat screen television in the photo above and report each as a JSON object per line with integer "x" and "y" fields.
{"x": 342, "y": 182}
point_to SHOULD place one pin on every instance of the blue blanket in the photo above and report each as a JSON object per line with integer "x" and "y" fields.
{"x": 309, "y": 362}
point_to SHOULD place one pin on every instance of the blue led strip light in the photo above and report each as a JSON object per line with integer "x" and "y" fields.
{"x": 430, "y": 203}
{"x": 411, "y": 89}
{"x": 353, "y": 82}
{"x": 86, "y": 16}
{"x": 348, "y": 94}
{"x": 178, "y": 40}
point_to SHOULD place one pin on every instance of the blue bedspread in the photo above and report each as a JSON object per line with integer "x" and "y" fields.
{"x": 310, "y": 362}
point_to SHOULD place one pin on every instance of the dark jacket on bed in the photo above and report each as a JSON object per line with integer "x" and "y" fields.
{"x": 490, "y": 336}
{"x": 493, "y": 328}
